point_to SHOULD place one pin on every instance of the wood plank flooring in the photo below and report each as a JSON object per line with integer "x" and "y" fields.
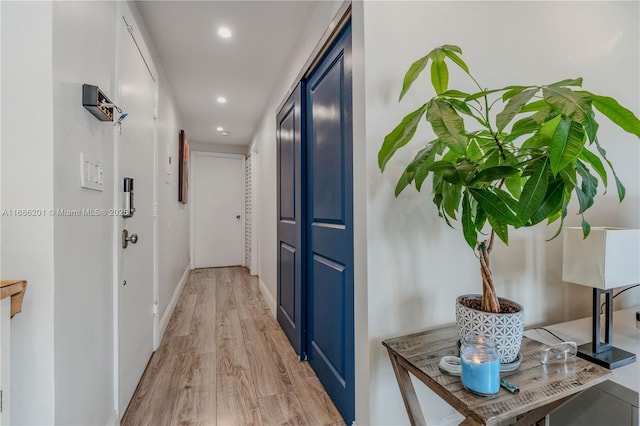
{"x": 225, "y": 361}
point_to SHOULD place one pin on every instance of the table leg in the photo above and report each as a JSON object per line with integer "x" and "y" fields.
{"x": 408, "y": 393}
{"x": 538, "y": 416}
{"x": 470, "y": 421}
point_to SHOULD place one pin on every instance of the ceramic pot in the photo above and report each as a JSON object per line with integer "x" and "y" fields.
{"x": 505, "y": 329}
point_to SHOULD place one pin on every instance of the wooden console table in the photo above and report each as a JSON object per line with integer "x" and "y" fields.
{"x": 542, "y": 387}
{"x": 14, "y": 289}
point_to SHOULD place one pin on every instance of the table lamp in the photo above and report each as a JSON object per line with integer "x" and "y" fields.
{"x": 608, "y": 258}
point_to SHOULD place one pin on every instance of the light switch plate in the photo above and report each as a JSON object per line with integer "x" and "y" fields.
{"x": 91, "y": 173}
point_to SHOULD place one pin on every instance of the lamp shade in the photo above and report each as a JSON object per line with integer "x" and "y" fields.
{"x": 607, "y": 258}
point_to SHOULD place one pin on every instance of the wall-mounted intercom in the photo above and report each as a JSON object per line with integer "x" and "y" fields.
{"x": 128, "y": 208}
{"x": 97, "y": 103}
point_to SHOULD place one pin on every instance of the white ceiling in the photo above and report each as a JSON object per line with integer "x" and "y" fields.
{"x": 200, "y": 65}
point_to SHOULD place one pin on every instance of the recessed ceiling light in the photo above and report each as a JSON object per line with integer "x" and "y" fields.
{"x": 219, "y": 128}
{"x": 224, "y": 32}
{"x": 221, "y": 99}
{"x": 225, "y": 133}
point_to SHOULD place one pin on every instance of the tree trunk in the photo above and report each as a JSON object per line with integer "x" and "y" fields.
{"x": 490, "y": 301}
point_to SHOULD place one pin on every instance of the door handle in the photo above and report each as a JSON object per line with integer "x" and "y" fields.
{"x": 126, "y": 239}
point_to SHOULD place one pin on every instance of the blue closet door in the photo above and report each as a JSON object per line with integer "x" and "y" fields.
{"x": 329, "y": 149}
{"x": 290, "y": 220}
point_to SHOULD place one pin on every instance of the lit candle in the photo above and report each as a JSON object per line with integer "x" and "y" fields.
{"x": 480, "y": 366}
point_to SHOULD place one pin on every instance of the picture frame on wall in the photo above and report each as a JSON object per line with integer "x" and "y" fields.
{"x": 183, "y": 168}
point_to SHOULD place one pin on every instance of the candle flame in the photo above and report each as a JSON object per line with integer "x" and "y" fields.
{"x": 476, "y": 359}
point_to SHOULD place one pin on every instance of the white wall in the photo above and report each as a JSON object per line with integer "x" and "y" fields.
{"x": 83, "y": 246}
{"x": 27, "y": 182}
{"x": 264, "y": 142}
{"x": 416, "y": 264}
{"x": 173, "y": 216}
{"x": 62, "y": 344}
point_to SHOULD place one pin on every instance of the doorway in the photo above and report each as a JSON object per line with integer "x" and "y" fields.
{"x": 135, "y": 263}
{"x": 217, "y": 190}
{"x": 315, "y": 222}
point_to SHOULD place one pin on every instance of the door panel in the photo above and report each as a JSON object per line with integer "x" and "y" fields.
{"x": 290, "y": 221}
{"x": 136, "y": 96}
{"x": 330, "y": 337}
{"x": 218, "y": 203}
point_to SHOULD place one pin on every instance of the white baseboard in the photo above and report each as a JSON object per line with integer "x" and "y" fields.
{"x": 166, "y": 315}
{"x": 113, "y": 419}
{"x": 268, "y": 297}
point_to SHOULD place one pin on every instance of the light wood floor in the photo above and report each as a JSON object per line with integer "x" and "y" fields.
{"x": 225, "y": 361}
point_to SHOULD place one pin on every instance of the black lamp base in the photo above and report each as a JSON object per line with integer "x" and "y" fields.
{"x": 612, "y": 358}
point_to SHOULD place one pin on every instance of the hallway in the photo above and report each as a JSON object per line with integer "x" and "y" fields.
{"x": 225, "y": 361}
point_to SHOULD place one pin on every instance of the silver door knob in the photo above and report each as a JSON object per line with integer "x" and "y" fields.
{"x": 126, "y": 239}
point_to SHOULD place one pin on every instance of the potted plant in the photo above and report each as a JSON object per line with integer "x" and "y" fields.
{"x": 501, "y": 159}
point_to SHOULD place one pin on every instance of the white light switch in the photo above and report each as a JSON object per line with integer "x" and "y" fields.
{"x": 91, "y": 173}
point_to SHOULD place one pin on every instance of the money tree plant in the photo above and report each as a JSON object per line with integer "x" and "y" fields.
{"x": 506, "y": 158}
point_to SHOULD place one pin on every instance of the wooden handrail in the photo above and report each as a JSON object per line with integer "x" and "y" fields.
{"x": 15, "y": 289}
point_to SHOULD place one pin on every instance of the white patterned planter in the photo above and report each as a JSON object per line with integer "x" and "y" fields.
{"x": 505, "y": 329}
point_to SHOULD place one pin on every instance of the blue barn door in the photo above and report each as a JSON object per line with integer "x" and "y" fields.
{"x": 290, "y": 220}
{"x": 329, "y": 219}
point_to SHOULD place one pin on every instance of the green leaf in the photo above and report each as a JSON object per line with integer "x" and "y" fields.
{"x": 494, "y": 206}
{"x": 575, "y": 105}
{"x": 565, "y": 203}
{"x": 595, "y": 162}
{"x": 422, "y": 161}
{"x": 569, "y": 177}
{"x": 412, "y": 74}
{"x": 493, "y": 173}
{"x": 457, "y": 60}
{"x": 451, "y": 175}
{"x": 514, "y": 185}
{"x": 619, "y": 186}
{"x": 502, "y": 230}
{"x": 468, "y": 226}
{"x": 508, "y": 200}
{"x": 530, "y": 124}
{"x": 452, "y": 93}
{"x": 566, "y": 144}
{"x": 511, "y": 93}
{"x": 447, "y": 125}
{"x": 588, "y": 188}
{"x": 462, "y": 107}
{"x": 403, "y": 182}
{"x": 452, "y": 47}
{"x": 520, "y": 128}
{"x": 451, "y": 198}
{"x": 586, "y": 228}
{"x": 481, "y": 94}
{"x": 439, "y": 166}
{"x": 542, "y": 138}
{"x": 513, "y": 107}
{"x": 533, "y": 193}
{"x": 481, "y": 218}
{"x": 439, "y": 72}
{"x": 617, "y": 113}
{"x": 551, "y": 203}
{"x": 535, "y": 106}
{"x": 400, "y": 136}
{"x": 567, "y": 82}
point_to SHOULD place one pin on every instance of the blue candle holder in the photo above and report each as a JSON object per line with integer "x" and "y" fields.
{"x": 480, "y": 364}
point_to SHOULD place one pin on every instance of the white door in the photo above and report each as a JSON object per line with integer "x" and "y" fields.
{"x": 218, "y": 206}
{"x": 136, "y": 97}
